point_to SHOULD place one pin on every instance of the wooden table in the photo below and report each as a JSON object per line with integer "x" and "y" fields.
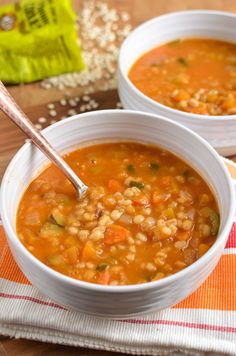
{"x": 34, "y": 99}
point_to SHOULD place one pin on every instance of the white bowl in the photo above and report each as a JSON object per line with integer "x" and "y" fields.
{"x": 219, "y": 131}
{"x": 117, "y": 301}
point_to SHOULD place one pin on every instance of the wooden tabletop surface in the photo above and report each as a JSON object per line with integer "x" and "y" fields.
{"x": 34, "y": 99}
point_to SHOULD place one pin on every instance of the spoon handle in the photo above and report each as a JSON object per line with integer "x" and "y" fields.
{"x": 13, "y": 111}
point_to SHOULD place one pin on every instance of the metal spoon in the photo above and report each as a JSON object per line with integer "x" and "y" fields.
{"x": 12, "y": 110}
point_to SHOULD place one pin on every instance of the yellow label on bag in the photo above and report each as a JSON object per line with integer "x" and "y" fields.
{"x": 38, "y": 39}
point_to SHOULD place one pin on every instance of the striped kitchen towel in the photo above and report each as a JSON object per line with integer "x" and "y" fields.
{"x": 203, "y": 323}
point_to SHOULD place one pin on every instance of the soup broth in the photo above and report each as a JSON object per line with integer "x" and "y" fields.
{"x": 192, "y": 75}
{"x": 147, "y": 215}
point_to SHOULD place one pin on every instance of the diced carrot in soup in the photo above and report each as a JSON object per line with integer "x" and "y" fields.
{"x": 114, "y": 234}
{"x": 89, "y": 252}
{"x": 114, "y": 186}
{"x": 103, "y": 277}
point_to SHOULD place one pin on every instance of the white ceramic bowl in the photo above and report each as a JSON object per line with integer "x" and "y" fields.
{"x": 117, "y": 301}
{"x": 219, "y": 131}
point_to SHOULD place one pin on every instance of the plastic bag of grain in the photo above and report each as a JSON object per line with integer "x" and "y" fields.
{"x": 38, "y": 39}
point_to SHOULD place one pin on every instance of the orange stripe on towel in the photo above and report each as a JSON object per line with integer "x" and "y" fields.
{"x": 8, "y": 267}
{"x": 219, "y": 290}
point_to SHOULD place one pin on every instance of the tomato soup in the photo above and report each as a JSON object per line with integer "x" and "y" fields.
{"x": 147, "y": 215}
{"x": 192, "y": 75}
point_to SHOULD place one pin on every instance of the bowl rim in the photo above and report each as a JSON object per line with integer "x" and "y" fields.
{"x": 146, "y": 98}
{"x": 12, "y": 236}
